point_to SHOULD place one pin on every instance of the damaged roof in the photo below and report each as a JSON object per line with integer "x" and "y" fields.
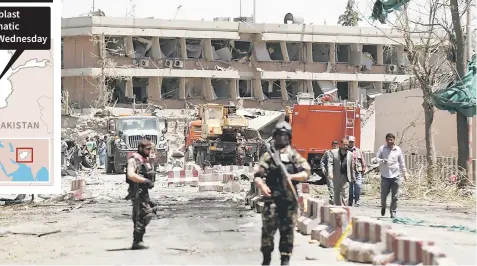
{"x": 262, "y": 121}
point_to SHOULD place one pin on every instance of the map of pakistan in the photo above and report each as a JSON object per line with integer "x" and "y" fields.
{"x": 26, "y": 99}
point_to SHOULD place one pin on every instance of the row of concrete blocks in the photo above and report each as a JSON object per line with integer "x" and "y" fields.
{"x": 217, "y": 179}
{"x": 371, "y": 240}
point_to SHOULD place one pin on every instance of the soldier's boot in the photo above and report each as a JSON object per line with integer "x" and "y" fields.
{"x": 138, "y": 242}
{"x": 267, "y": 258}
{"x": 285, "y": 260}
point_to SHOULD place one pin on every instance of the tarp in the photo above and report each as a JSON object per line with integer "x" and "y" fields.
{"x": 381, "y": 9}
{"x": 460, "y": 95}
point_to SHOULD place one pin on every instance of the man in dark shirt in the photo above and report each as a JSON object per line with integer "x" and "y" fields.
{"x": 338, "y": 171}
{"x": 343, "y": 164}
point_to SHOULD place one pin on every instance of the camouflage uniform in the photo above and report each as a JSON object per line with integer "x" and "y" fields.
{"x": 142, "y": 206}
{"x": 280, "y": 210}
{"x": 329, "y": 181}
{"x": 240, "y": 150}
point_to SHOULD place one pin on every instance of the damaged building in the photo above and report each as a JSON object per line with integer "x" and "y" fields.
{"x": 174, "y": 62}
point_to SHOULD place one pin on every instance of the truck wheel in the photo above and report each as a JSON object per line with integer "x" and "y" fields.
{"x": 87, "y": 161}
{"x": 109, "y": 164}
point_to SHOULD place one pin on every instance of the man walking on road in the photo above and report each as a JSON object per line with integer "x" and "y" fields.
{"x": 339, "y": 164}
{"x": 357, "y": 168}
{"x": 139, "y": 176}
{"x": 392, "y": 168}
{"x": 324, "y": 167}
{"x": 279, "y": 192}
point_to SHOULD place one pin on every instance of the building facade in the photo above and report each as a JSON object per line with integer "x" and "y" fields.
{"x": 172, "y": 62}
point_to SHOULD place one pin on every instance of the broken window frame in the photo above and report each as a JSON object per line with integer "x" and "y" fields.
{"x": 248, "y": 86}
{"x": 147, "y": 41}
{"x": 170, "y": 94}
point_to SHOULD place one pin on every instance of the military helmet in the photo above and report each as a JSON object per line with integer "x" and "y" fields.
{"x": 283, "y": 126}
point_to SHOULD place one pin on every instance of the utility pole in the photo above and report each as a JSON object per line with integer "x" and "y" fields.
{"x": 240, "y": 8}
{"x": 254, "y": 11}
{"x": 470, "y": 7}
{"x": 93, "y": 6}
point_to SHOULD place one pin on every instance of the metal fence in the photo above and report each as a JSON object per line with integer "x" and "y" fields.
{"x": 415, "y": 164}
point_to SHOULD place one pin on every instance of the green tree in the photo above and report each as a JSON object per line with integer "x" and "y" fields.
{"x": 350, "y": 17}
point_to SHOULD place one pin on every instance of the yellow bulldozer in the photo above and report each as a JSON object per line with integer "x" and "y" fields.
{"x": 218, "y": 136}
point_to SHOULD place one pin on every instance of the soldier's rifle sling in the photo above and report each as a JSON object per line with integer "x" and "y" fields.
{"x": 282, "y": 167}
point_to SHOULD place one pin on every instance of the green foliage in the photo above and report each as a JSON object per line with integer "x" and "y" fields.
{"x": 350, "y": 17}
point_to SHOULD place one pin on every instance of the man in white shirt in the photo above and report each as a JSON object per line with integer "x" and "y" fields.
{"x": 392, "y": 169}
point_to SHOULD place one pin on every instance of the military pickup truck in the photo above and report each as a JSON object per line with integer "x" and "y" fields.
{"x": 126, "y": 132}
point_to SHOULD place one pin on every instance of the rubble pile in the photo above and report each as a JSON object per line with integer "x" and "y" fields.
{"x": 86, "y": 126}
{"x": 177, "y": 121}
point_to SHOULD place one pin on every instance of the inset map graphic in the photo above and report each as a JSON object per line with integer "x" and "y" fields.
{"x": 24, "y": 155}
{"x": 19, "y": 165}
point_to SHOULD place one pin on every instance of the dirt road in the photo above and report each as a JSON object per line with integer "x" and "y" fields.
{"x": 192, "y": 228}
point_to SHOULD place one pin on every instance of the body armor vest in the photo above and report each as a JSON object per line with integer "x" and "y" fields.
{"x": 276, "y": 181}
{"x": 144, "y": 168}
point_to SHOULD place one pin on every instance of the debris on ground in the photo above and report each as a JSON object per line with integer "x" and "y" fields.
{"x": 8, "y": 232}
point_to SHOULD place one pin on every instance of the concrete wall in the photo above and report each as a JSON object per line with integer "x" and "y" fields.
{"x": 396, "y": 111}
{"x": 80, "y": 52}
{"x": 81, "y": 90}
{"x": 368, "y": 127}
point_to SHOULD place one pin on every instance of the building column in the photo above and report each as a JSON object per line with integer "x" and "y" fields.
{"x": 309, "y": 86}
{"x": 208, "y": 92}
{"x": 257, "y": 87}
{"x": 183, "y": 45}
{"x": 332, "y": 53}
{"x": 128, "y": 43}
{"x": 208, "y": 51}
{"x": 379, "y": 54}
{"x": 400, "y": 55}
{"x": 233, "y": 93}
{"x": 283, "y": 89}
{"x": 129, "y": 88}
{"x": 102, "y": 46}
{"x": 353, "y": 91}
{"x": 156, "y": 49}
{"x": 182, "y": 88}
{"x": 154, "y": 88}
{"x": 309, "y": 52}
{"x": 283, "y": 47}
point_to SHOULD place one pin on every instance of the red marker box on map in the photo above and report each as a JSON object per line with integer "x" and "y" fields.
{"x": 24, "y": 155}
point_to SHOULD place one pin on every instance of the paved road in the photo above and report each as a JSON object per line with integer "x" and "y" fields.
{"x": 192, "y": 228}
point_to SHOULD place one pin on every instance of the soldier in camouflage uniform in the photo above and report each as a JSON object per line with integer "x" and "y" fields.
{"x": 324, "y": 167}
{"x": 139, "y": 176}
{"x": 240, "y": 149}
{"x": 281, "y": 205}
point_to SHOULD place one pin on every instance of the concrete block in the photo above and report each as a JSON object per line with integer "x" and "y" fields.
{"x": 338, "y": 221}
{"x": 217, "y": 187}
{"x": 232, "y": 187}
{"x": 314, "y": 219}
{"x": 182, "y": 177}
{"x": 315, "y": 232}
{"x": 431, "y": 254}
{"x": 366, "y": 229}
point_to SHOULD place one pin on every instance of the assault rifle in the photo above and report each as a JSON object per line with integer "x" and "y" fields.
{"x": 278, "y": 162}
